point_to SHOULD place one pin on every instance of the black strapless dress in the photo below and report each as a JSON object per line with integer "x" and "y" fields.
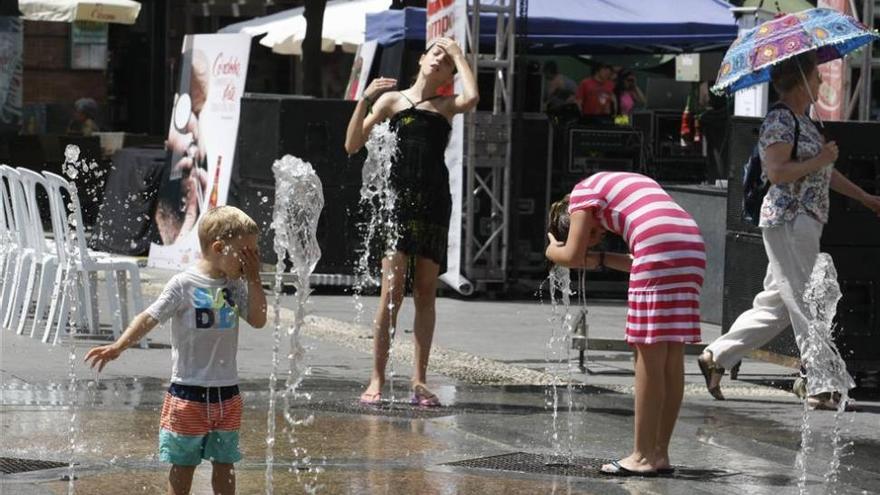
{"x": 421, "y": 179}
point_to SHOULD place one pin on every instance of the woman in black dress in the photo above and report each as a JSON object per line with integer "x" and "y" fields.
{"x": 421, "y": 118}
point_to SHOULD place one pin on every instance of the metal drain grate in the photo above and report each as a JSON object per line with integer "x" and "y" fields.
{"x": 13, "y": 465}
{"x": 588, "y": 467}
{"x": 524, "y": 462}
{"x": 405, "y": 410}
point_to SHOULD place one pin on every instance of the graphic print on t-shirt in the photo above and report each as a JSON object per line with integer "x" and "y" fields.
{"x": 214, "y": 308}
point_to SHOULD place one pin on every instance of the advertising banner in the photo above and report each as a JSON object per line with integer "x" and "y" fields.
{"x": 201, "y": 142}
{"x": 360, "y": 70}
{"x": 832, "y": 94}
{"x": 448, "y": 19}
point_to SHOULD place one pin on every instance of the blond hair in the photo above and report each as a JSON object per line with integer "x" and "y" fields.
{"x": 223, "y": 223}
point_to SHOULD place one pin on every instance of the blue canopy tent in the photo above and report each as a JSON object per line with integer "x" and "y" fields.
{"x": 578, "y": 26}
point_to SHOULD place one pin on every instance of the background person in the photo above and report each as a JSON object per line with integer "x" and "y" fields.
{"x": 85, "y": 115}
{"x": 629, "y": 95}
{"x": 793, "y": 214}
{"x": 595, "y": 94}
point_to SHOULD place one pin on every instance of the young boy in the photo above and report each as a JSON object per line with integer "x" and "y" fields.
{"x": 201, "y": 414}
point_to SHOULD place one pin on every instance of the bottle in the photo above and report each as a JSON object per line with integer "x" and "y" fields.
{"x": 685, "y": 130}
{"x": 212, "y": 201}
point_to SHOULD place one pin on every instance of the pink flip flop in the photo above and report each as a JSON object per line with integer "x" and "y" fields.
{"x": 423, "y": 397}
{"x": 369, "y": 399}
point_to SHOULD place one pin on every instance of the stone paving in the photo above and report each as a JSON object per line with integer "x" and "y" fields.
{"x": 489, "y": 368}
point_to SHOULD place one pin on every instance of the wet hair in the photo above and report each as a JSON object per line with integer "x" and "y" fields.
{"x": 787, "y": 76}
{"x": 223, "y": 223}
{"x": 560, "y": 220}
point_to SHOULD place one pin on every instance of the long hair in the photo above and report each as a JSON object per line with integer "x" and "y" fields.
{"x": 560, "y": 221}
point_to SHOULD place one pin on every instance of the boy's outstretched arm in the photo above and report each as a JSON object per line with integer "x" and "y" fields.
{"x": 139, "y": 327}
{"x": 256, "y": 315}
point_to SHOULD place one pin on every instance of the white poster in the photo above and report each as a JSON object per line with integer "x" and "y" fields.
{"x": 201, "y": 142}
{"x": 448, "y": 18}
{"x": 360, "y": 70}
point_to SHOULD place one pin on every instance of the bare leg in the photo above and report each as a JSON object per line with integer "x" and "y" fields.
{"x": 393, "y": 284}
{"x": 180, "y": 479}
{"x": 223, "y": 479}
{"x": 424, "y": 299}
{"x": 671, "y": 401}
{"x": 650, "y": 387}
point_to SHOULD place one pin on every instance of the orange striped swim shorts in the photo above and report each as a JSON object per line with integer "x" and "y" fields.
{"x": 200, "y": 423}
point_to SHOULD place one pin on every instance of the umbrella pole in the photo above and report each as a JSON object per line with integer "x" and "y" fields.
{"x": 810, "y": 93}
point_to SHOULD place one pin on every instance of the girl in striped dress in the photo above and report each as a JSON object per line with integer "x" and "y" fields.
{"x": 666, "y": 274}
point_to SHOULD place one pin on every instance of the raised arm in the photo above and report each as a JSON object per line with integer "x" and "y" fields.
{"x": 375, "y": 106}
{"x": 573, "y": 252}
{"x": 781, "y": 169}
{"x": 470, "y": 95}
{"x": 256, "y": 315}
{"x": 139, "y": 327}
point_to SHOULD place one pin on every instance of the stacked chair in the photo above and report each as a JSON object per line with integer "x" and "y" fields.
{"x": 43, "y": 277}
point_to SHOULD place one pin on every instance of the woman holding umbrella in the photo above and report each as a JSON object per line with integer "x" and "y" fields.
{"x": 795, "y": 207}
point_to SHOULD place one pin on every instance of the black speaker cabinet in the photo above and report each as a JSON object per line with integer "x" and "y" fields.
{"x": 309, "y": 128}
{"x": 272, "y": 126}
{"x": 529, "y": 193}
{"x": 858, "y": 269}
{"x": 850, "y": 223}
{"x": 742, "y": 138}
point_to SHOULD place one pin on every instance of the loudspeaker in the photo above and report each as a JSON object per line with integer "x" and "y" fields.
{"x": 680, "y": 170}
{"x": 858, "y": 271}
{"x": 592, "y": 150}
{"x": 272, "y": 126}
{"x": 742, "y": 137}
{"x": 850, "y": 223}
{"x": 528, "y": 210}
{"x": 309, "y": 128}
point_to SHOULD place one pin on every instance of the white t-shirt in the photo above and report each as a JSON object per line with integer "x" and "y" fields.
{"x": 204, "y": 315}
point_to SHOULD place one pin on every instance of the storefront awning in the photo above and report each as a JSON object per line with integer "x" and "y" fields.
{"x": 115, "y": 11}
{"x": 344, "y": 25}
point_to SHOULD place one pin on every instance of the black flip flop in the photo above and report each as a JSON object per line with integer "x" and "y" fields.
{"x": 622, "y": 471}
{"x": 667, "y": 471}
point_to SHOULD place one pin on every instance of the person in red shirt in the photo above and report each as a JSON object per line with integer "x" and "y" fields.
{"x": 595, "y": 95}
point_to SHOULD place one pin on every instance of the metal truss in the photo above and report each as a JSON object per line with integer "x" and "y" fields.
{"x": 486, "y": 215}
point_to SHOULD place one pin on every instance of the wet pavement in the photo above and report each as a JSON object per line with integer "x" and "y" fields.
{"x": 496, "y": 416}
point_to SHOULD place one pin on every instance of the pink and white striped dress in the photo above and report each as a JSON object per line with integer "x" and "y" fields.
{"x": 669, "y": 257}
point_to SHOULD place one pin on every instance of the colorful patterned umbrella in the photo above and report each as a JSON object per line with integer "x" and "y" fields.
{"x": 748, "y": 60}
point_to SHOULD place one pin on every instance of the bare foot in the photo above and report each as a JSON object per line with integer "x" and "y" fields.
{"x": 375, "y": 387}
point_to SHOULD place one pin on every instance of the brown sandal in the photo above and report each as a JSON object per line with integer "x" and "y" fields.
{"x": 709, "y": 370}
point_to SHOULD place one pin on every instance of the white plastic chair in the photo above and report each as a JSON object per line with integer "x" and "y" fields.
{"x": 23, "y": 256}
{"x": 45, "y": 261}
{"x": 73, "y": 255}
{"x": 8, "y": 240}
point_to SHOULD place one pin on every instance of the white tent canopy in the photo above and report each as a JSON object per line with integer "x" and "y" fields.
{"x": 344, "y": 24}
{"x": 116, "y": 11}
